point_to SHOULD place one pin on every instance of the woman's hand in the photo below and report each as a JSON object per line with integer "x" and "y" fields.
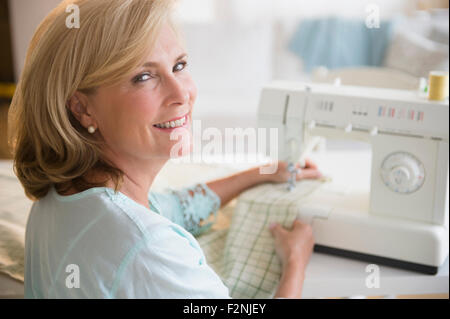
{"x": 310, "y": 171}
{"x": 293, "y": 246}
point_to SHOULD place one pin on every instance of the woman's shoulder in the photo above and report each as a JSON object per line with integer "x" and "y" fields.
{"x": 97, "y": 209}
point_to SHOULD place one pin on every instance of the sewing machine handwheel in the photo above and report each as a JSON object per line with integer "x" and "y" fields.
{"x": 402, "y": 172}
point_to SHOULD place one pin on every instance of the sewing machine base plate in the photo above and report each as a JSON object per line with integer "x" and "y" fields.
{"x": 424, "y": 269}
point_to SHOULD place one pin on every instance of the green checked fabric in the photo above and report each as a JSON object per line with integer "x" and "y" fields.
{"x": 244, "y": 255}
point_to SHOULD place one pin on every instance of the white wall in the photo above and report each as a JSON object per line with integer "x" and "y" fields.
{"x": 25, "y": 17}
{"x": 230, "y": 63}
{"x": 346, "y": 8}
{"x": 251, "y": 10}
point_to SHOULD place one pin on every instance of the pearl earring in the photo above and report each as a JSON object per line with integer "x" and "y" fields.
{"x": 91, "y": 129}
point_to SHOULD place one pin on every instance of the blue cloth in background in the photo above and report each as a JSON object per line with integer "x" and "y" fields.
{"x": 337, "y": 42}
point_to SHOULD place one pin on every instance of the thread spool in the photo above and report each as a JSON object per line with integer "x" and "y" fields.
{"x": 438, "y": 86}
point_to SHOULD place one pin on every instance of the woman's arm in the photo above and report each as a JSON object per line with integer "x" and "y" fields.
{"x": 230, "y": 187}
{"x": 291, "y": 282}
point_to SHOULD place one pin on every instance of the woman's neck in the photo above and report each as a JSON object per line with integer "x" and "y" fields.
{"x": 137, "y": 180}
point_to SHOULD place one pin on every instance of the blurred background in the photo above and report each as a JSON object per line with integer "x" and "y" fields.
{"x": 237, "y": 46}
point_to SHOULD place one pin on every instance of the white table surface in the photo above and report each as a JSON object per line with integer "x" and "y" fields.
{"x": 333, "y": 276}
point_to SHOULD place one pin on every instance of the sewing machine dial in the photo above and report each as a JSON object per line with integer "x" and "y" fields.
{"x": 402, "y": 172}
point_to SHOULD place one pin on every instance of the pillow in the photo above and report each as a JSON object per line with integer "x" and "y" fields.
{"x": 415, "y": 54}
{"x": 440, "y": 33}
{"x": 440, "y": 24}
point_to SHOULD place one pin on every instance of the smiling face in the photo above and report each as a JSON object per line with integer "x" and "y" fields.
{"x": 137, "y": 116}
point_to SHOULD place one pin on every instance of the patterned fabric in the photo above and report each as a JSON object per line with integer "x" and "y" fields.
{"x": 191, "y": 207}
{"x": 244, "y": 255}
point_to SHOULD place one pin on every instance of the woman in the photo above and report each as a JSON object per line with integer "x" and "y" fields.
{"x": 92, "y": 116}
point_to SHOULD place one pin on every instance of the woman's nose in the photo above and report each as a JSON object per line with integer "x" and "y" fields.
{"x": 177, "y": 91}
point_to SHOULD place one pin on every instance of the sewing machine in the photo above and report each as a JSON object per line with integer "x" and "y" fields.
{"x": 401, "y": 219}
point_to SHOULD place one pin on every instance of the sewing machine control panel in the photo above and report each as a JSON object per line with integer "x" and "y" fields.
{"x": 375, "y": 111}
{"x": 373, "y": 116}
{"x": 348, "y": 108}
{"x": 381, "y": 112}
{"x": 401, "y": 113}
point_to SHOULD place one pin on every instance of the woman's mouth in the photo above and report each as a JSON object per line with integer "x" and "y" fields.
{"x": 173, "y": 124}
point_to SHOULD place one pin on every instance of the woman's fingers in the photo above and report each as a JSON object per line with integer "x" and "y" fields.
{"x": 308, "y": 164}
{"x": 309, "y": 174}
{"x": 276, "y": 229}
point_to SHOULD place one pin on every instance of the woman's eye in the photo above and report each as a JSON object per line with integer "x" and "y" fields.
{"x": 148, "y": 76}
{"x": 179, "y": 66}
{"x": 142, "y": 77}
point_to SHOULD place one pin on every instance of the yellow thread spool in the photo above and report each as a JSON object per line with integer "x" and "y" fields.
{"x": 438, "y": 86}
{"x": 7, "y": 90}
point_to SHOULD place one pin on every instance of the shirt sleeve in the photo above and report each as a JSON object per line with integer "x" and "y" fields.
{"x": 173, "y": 266}
{"x": 194, "y": 208}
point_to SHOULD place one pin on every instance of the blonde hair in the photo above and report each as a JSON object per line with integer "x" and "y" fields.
{"x": 49, "y": 145}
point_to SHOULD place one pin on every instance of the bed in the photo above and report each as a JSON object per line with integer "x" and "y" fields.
{"x": 14, "y": 207}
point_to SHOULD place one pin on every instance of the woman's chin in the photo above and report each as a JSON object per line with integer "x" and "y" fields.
{"x": 178, "y": 151}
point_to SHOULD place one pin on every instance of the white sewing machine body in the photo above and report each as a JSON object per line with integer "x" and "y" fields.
{"x": 402, "y": 220}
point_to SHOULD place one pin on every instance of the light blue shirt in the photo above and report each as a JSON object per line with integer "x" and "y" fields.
{"x": 102, "y": 244}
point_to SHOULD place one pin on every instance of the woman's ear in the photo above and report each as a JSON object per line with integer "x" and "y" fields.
{"x": 78, "y": 106}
